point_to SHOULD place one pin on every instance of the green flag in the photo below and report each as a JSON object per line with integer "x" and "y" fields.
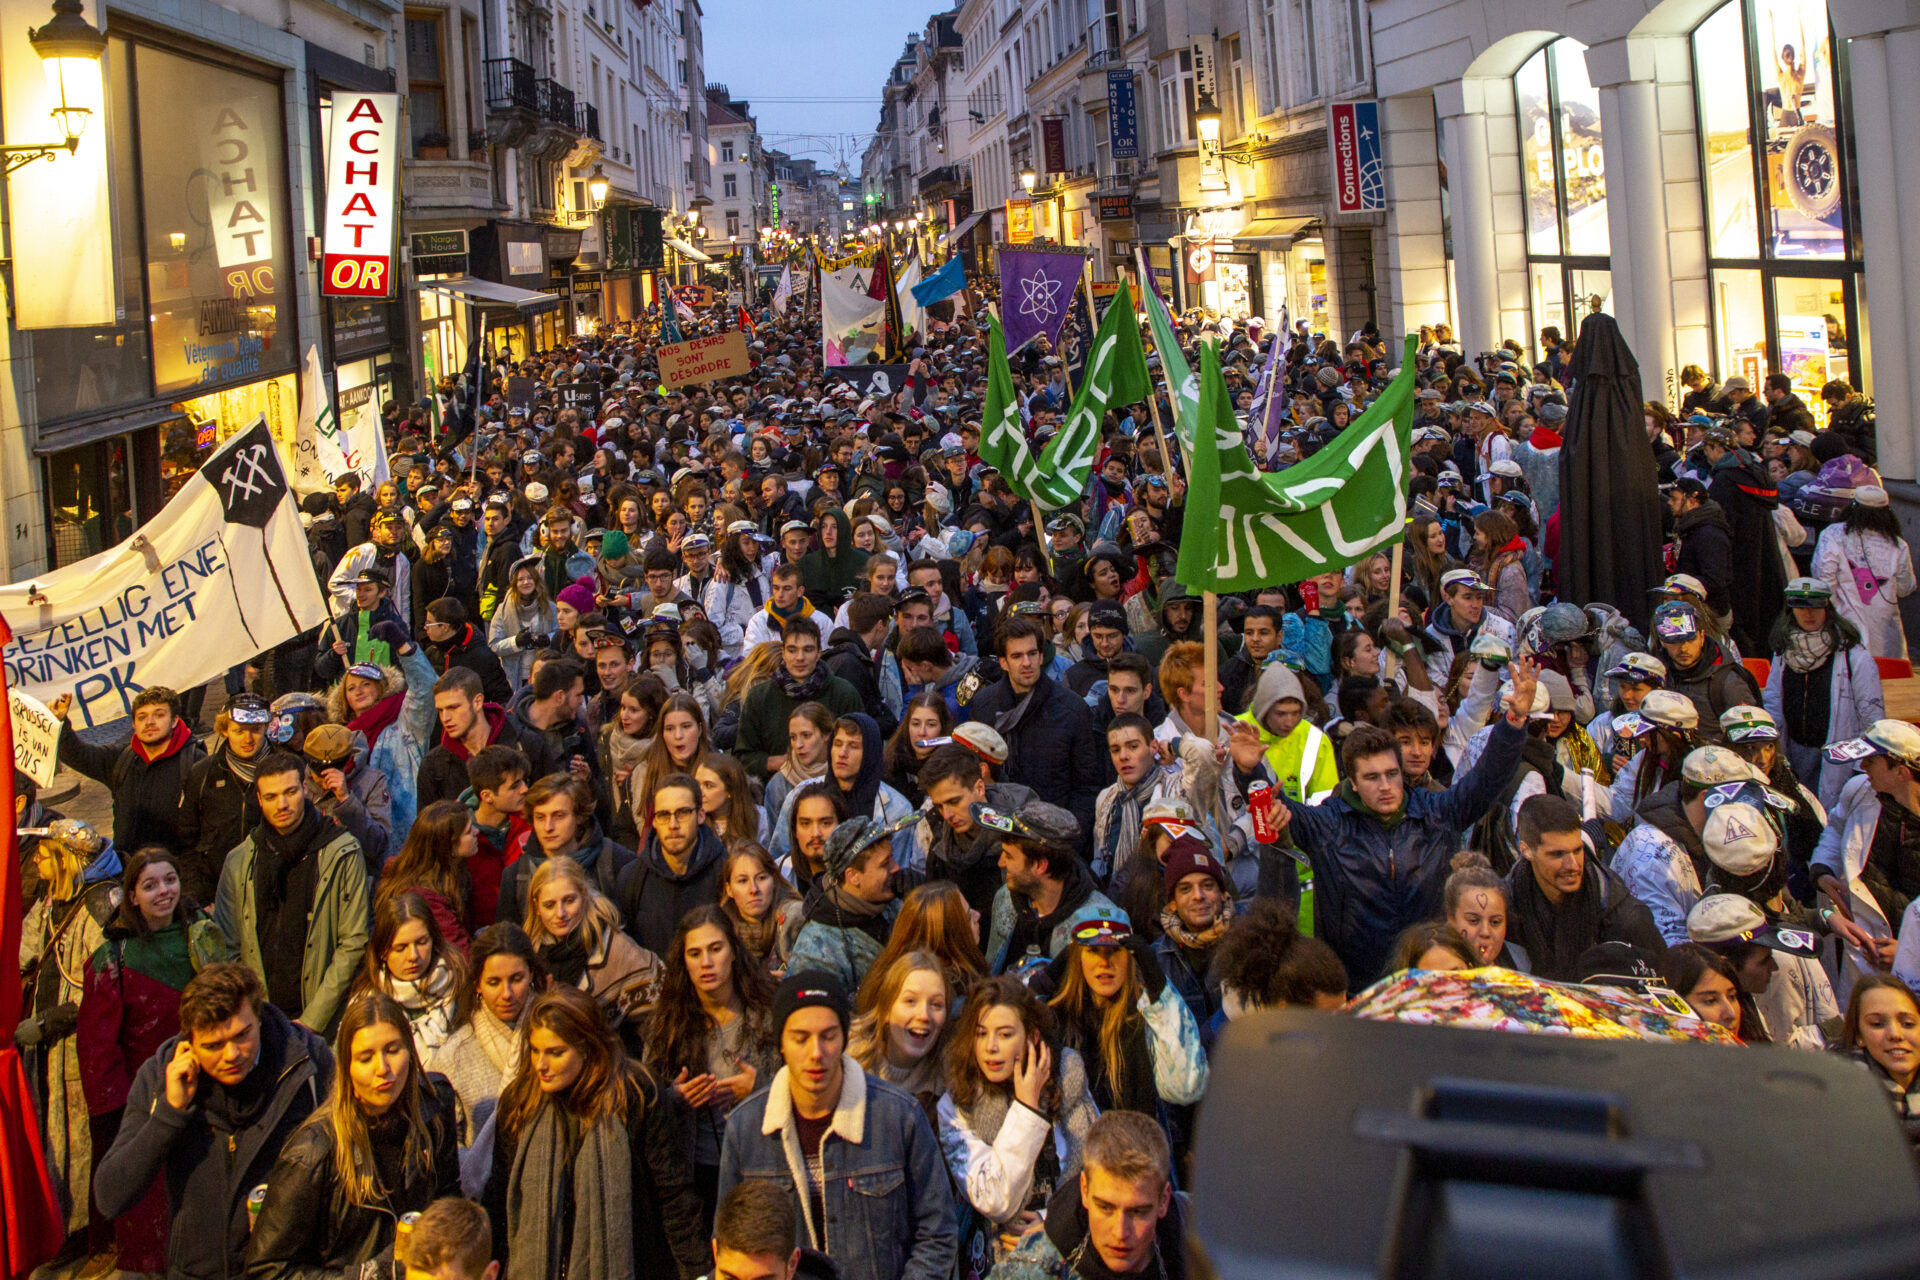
{"x": 1116, "y": 373}
{"x": 1003, "y": 436}
{"x": 1335, "y": 509}
{"x": 1185, "y": 391}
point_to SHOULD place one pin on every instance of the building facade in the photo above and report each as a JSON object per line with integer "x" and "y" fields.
{"x": 1723, "y": 178}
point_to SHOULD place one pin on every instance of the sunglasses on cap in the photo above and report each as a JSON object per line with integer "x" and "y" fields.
{"x": 1005, "y": 823}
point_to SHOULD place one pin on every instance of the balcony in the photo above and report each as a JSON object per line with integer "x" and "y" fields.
{"x": 556, "y": 104}
{"x": 512, "y": 86}
{"x": 587, "y": 121}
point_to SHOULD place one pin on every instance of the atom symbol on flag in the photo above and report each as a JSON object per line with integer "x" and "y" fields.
{"x": 1037, "y": 294}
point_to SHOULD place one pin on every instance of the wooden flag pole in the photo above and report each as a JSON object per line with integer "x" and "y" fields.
{"x": 1210, "y": 637}
{"x": 1387, "y": 661}
{"x": 1153, "y": 398}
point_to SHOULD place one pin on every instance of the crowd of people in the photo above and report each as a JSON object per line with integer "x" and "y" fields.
{"x": 728, "y": 830}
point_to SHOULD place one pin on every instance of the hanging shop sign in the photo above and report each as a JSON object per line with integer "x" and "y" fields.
{"x": 362, "y": 169}
{"x": 1053, "y": 143}
{"x": 1019, "y": 220}
{"x": 439, "y": 253}
{"x": 1123, "y": 119}
{"x": 1115, "y": 208}
{"x": 1353, "y": 141}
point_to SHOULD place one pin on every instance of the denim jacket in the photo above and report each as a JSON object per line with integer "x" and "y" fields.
{"x": 889, "y": 1205}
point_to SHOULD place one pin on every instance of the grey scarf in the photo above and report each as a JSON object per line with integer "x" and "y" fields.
{"x": 599, "y": 1187}
{"x": 1123, "y": 829}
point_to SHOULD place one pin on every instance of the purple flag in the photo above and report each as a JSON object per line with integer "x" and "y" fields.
{"x": 1262, "y": 396}
{"x": 1036, "y": 292}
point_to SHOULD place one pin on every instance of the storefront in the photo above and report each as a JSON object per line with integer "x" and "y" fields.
{"x": 1563, "y": 173}
{"x": 1783, "y": 246}
{"x": 202, "y": 258}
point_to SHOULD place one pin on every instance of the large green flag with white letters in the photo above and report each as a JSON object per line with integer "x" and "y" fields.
{"x": 1116, "y": 373}
{"x": 1335, "y": 509}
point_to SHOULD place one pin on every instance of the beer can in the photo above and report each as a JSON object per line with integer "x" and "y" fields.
{"x": 1260, "y": 807}
{"x": 255, "y": 1198}
{"x": 402, "y": 1232}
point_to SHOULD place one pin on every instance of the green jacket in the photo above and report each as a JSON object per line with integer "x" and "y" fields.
{"x": 337, "y": 926}
{"x": 764, "y": 713}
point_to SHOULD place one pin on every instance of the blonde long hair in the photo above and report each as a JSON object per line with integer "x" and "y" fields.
{"x": 353, "y": 1163}
{"x": 755, "y": 668}
{"x": 602, "y": 916}
{"x": 1076, "y": 1001}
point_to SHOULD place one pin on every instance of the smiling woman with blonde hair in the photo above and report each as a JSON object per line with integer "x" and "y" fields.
{"x": 576, "y": 933}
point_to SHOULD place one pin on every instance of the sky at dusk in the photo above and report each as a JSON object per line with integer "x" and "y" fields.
{"x": 809, "y": 67}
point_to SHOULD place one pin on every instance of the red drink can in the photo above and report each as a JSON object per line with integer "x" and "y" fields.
{"x": 1260, "y": 806}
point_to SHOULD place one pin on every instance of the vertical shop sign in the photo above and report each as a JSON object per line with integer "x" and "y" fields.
{"x": 1053, "y": 143}
{"x": 357, "y": 249}
{"x": 1123, "y": 119}
{"x": 239, "y": 200}
{"x": 1359, "y": 183}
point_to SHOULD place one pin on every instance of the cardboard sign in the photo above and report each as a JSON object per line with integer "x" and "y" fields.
{"x": 584, "y": 396}
{"x": 520, "y": 393}
{"x": 36, "y": 737}
{"x": 362, "y": 171}
{"x": 695, "y": 295}
{"x": 724, "y": 355}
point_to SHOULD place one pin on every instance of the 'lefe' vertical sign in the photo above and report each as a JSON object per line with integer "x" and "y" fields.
{"x": 362, "y": 169}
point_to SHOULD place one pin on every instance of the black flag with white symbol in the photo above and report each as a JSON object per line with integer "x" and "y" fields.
{"x": 246, "y": 474}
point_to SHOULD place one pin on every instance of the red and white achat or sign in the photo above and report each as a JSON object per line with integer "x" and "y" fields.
{"x": 363, "y": 173}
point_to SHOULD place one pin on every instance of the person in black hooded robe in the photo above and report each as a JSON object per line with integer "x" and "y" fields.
{"x": 1609, "y": 484}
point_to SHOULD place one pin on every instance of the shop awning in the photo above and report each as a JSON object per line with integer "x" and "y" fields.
{"x": 953, "y": 235}
{"x": 488, "y": 294}
{"x": 1284, "y": 230}
{"x": 686, "y": 250}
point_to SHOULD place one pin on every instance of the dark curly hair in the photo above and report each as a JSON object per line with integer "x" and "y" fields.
{"x": 1269, "y": 962}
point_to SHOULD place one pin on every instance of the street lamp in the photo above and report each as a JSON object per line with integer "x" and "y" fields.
{"x": 70, "y": 50}
{"x": 1206, "y": 119}
{"x": 1028, "y": 179}
{"x": 597, "y": 187}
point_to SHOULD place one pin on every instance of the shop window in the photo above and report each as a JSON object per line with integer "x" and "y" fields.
{"x": 426, "y": 85}
{"x": 81, "y": 370}
{"x": 1563, "y": 175}
{"x": 1779, "y": 198}
{"x": 89, "y": 500}
{"x": 213, "y": 178}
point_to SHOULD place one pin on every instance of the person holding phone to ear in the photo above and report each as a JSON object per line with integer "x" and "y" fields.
{"x": 1016, "y": 1111}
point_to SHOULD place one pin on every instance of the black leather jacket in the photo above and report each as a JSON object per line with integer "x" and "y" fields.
{"x": 309, "y": 1230}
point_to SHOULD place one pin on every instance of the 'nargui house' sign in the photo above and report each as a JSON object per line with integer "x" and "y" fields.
{"x": 362, "y": 172}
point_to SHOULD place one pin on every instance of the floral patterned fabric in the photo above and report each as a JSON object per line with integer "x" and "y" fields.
{"x": 1498, "y": 999}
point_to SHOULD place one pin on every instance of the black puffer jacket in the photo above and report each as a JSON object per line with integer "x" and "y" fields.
{"x": 217, "y": 809}
{"x": 309, "y": 1230}
{"x": 210, "y": 1164}
{"x": 1051, "y": 745}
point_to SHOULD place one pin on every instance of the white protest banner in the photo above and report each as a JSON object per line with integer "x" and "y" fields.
{"x": 36, "y": 737}
{"x": 365, "y": 445}
{"x": 220, "y": 575}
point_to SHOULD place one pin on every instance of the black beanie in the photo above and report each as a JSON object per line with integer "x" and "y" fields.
{"x": 811, "y": 988}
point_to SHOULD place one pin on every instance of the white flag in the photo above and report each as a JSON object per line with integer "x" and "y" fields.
{"x": 910, "y": 310}
{"x": 313, "y": 431}
{"x": 784, "y": 293}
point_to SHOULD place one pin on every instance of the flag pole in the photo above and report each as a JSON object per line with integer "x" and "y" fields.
{"x": 1153, "y": 397}
{"x": 1393, "y": 602}
{"x": 1210, "y": 637}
